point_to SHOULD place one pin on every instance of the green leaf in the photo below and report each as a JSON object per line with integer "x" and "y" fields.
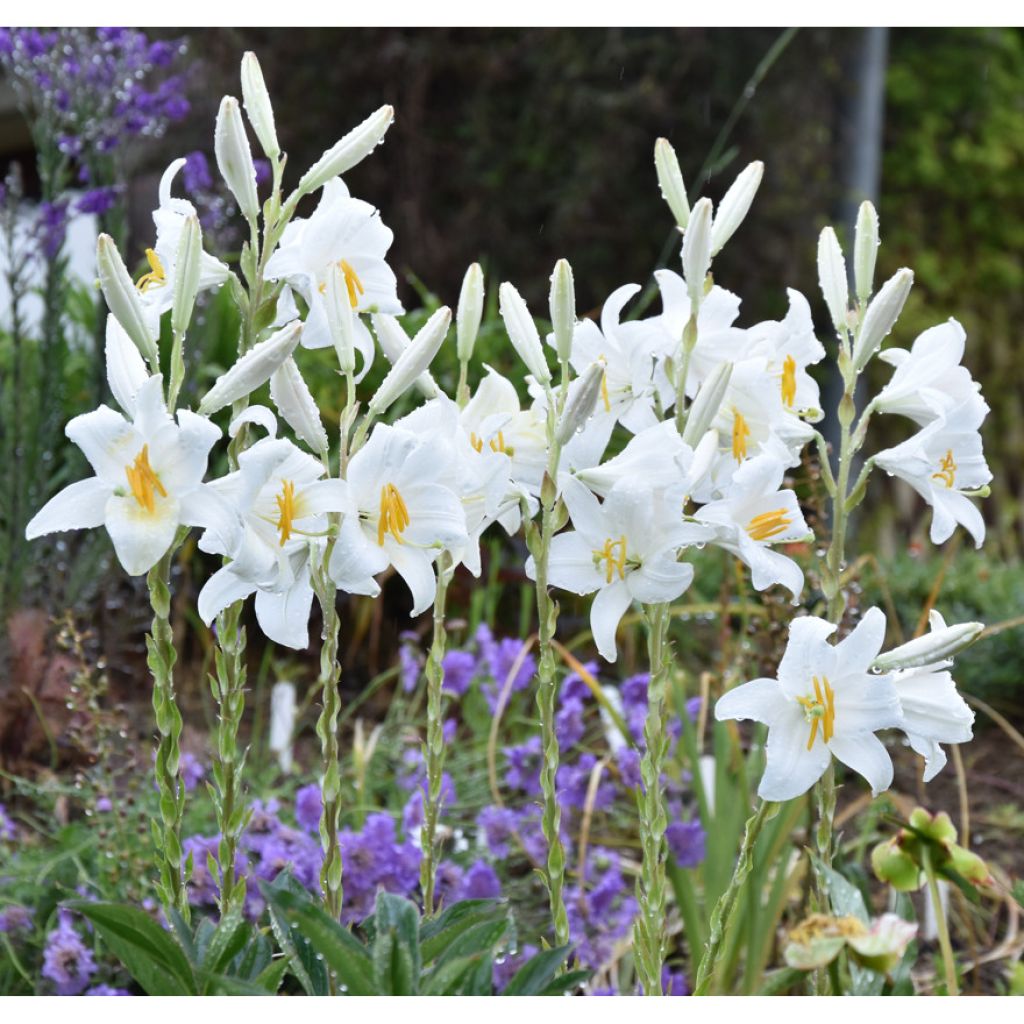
{"x": 447, "y": 978}
{"x": 480, "y": 939}
{"x": 308, "y": 969}
{"x": 847, "y": 900}
{"x": 439, "y": 932}
{"x": 566, "y": 982}
{"x": 396, "y": 948}
{"x": 228, "y": 941}
{"x": 149, "y": 954}
{"x": 537, "y": 973}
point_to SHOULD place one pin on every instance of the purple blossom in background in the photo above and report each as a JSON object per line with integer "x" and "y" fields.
{"x": 14, "y": 919}
{"x": 375, "y": 858}
{"x": 459, "y": 669}
{"x": 412, "y": 813}
{"x": 448, "y": 883}
{"x": 628, "y": 760}
{"x": 573, "y": 780}
{"x": 410, "y": 660}
{"x": 192, "y": 771}
{"x": 693, "y": 706}
{"x": 104, "y": 804}
{"x": 97, "y": 200}
{"x": 263, "y": 171}
{"x": 309, "y": 807}
{"x": 195, "y": 175}
{"x": 686, "y": 842}
{"x": 500, "y": 656}
{"x": 67, "y": 961}
{"x": 634, "y": 703}
{"x": 599, "y": 918}
{"x": 569, "y": 726}
{"x": 106, "y": 990}
{"x": 523, "y": 771}
{"x": 8, "y": 830}
{"x": 498, "y": 825}
{"x": 481, "y": 883}
{"x": 573, "y": 687}
{"x": 674, "y": 983}
{"x": 51, "y": 228}
{"x": 506, "y": 967}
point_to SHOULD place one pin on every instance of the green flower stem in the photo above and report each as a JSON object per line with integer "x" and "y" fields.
{"x": 435, "y": 735}
{"x": 941, "y": 925}
{"x": 161, "y": 657}
{"x": 724, "y": 907}
{"x": 649, "y": 930}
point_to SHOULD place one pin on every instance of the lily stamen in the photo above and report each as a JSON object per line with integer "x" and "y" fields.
{"x": 821, "y": 708}
{"x": 157, "y": 275}
{"x": 144, "y": 481}
{"x": 789, "y": 381}
{"x": 352, "y": 282}
{"x": 768, "y": 524}
{"x": 947, "y": 470}
{"x": 394, "y": 515}
{"x": 286, "y": 508}
{"x": 740, "y": 433}
{"x": 613, "y": 554}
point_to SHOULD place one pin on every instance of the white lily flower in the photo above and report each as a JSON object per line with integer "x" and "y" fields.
{"x": 941, "y": 462}
{"x": 280, "y": 496}
{"x": 346, "y": 233}
{"x": 397, "y": 515}
{"x": 624, "y": 549}
{"x": 757, "y": 513}
{"x": 824, "y": 702}
{"x": 938, "y": 645}
{"x": 148, "y": 481}
{"x": 929, "y": 379}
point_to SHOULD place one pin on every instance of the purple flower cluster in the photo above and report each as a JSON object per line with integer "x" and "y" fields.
{"x": 67, "y": 961}
{"x": 600, "y": 909}
{"x": 498, "y": 658}
{"x": 106, "y": 990}
{"x": 15, "y": 919}
{"x": 375, "y": 858}
{"x": 8, "y": 830}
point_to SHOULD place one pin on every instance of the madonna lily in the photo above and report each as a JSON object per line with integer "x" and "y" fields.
{"x": 342, "y": 232}
{"x": 756, "y": 513}
{"x": 397, "y": 514}
{"x": 929, "y": 379}
{"x": 825, "y": 702}
{"x": 278, "y": 494}
{"x": 942, "y": 462}
{"x": 625, "y": 549}
{"x": 148, "y": 480}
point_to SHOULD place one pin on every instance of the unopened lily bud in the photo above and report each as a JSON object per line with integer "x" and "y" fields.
{"x": 832, "y": 278}
{"x": 882, "y": 314}
{"x": 670, "y": 181}
{"x": 581, "y": 402}
{"x": 234, "y": 158}
{"x": 123, "y": 299}
{"x": 941, "y": 644}
{"x": 393, "y": 342}
{"x": 470, "y": 312}
{"x": 290, "y": 393}
{"x": 563, "y": 309}
{"x": 735, "y": 204}
{"x": 282, "y": 723}
{"x": 522, "y": 332}
{"x": 254, "y": 369}
{"x": 340, "y": 318}
{"x": 186, "y": 274}
{"x": 697, "y": 250}
{"x": 865, "y": 250}
{"x": 257, "y": 105}
{"x": 413, "y": 361}
{"x": 707, "y": 403}
{"x": 349, "y": 150}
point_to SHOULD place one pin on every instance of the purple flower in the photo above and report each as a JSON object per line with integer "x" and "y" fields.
{"x": 106, "y": 990}
{"x": 574, "y": 686}
{"x": 195, "y": 174}
{"x": 51, "y": 228}
{"x": 628, "y": 760}
{"x": 523, "y": 771}
{"x": 459, "y": 669}
{"x": 410, "y": 663}
{"x": 601, "y": 917}
{"x": 262, "y": 168}
{"x": 674, "y": 983}
{"x": 573, "y": 781}
{"x": 448, "y": 882}
{"x": 104, "y": 804}
{"x": 481, "y": 882}
{"x": 375, "y": 858}
{"x": 500, "y": 656}
{"x": 192, "y": 771}
{"x": 15, "y": 918}
{"x": 505, "y": 967}
{"x": 67, "y": 961}
{"x": 693, "y": 706}
{"x": 8, "y": 830}
{"x": 498, "y": 825}
{"x": 309, "y": 807}
{"x": 686, "y": 842}
{"x": 97, "y": 200}
{"x": 569, "y": 726}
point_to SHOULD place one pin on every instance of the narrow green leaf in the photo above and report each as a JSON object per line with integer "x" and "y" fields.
{"x": 537, "y": 973}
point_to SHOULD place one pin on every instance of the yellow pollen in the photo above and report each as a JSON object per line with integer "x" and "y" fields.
{"x": 352, "y": 282}
{"x": 394, "y": 516}
{"x": 768, "y": 524}
{"x": 604, "y": 387}
{"x": 820, "y": 708}
{"x": 156, "y": 275}
{"x": 143, "y": 481}
{"x": 740, "y": 433}
{"x": 613, "y": 554}
{"x": 947, "y": 470}
{"x": 789, "y": 381}
{"x": 476, "y": 442}
{"x": 286, "y": 509}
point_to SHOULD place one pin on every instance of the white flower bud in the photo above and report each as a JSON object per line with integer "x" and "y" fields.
{"x": 581, "y": 402}
{"x": 937, "y": 646}
{"x": 123, "y": 299}
{"x": 832, "y": 278}
{"x": 865, "y": 250}
{"x": 187, "y": 264}
{"x": 707, "y": 403}
{"x": 257, "y": 105}
{"x": 126, "y": 369}
{"x": 522, "y": 332}
{"x": 882, "y": 314}
{"x": 563, "y": 309}
{"x": 340, "y": 318}
{"x": 470, "y": 312}
{"x": 349, "y": 150}
{"x": 413, "y": 361}
{"x": 291, "y": 395}
{"x": 252, "y": 370}
{"x": 393, "y": 342}
{"x": 697, "y": 250}
{"x": 282, "y": 723}
{"x": 234, "y": 158}
{"x": 735, "y": 204}
{"x": 670, "y": 181}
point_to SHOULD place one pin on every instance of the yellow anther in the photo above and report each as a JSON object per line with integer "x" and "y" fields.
{"x": 143, "y": 481}
{"x": 156, "y": 276}
{"x": 820, "y": 708}
{"x": 768, "y": 524}
{"x": 947, "y": 470}
{"x": 498, "y": 443}
{"x": 476, "y": 442}
{"x": 740, "y": 433}
{"x": 286, "y": 510}
{"x": 394, "y": 516}
{"x": 789, "y": 381}
{"x": 352, "y": 282}
{"x": 604, "y": 387}
{"x": 613, "y": 554}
